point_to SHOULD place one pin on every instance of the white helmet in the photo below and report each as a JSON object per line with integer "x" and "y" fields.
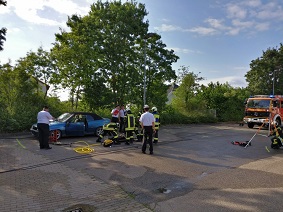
{"x": 145, "y": 106}
{"x": 154, "y": 109}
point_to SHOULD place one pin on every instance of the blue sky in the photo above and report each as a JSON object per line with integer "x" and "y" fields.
{"x": 215, "y": 38}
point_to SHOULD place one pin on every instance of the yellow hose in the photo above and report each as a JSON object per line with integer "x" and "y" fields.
{"x": 84, "y": 149}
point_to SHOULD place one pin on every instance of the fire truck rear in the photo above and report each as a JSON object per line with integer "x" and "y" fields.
{"x": 263, "y": 110}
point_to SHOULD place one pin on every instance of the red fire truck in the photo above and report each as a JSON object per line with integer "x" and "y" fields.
{"x": 264, "y": 110}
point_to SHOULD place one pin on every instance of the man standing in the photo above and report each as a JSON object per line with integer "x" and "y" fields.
{"x": 115, "y": 114}
{"x": 147, "y": 123}
{"x": 43, "y": 118}
{"x": 122, "y": 114}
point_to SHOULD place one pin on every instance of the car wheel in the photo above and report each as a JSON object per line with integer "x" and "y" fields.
{"x": 98, "y": 131}
{"x": 34, "y": 134}
{"x": 58, "y": 134}
{"x": 250, "y": 124}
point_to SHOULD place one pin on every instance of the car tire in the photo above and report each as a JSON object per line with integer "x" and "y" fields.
{"x": 34, "y": 134}
{"x": 58, "y": 134}
{"x": 251, "y": 125}
{"x": 98, "y": 131}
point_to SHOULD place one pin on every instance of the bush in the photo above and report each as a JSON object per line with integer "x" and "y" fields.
{"x": 171, "y": 116}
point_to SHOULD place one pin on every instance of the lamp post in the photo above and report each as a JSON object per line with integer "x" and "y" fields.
{"x": 273, "y": 83}
{"x": 148, "y": 35}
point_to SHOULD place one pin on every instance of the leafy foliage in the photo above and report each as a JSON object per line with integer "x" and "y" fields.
{"x": 226, "y": 100}
{"x": 2, "y": 30}
{"x": 266, "y": 72}
{"x": 20, "y": 100}
{"x": 106, "y": 53}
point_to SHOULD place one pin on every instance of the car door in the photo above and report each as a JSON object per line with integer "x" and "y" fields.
{"x": 75, "y": 126}
{"x": 90, "y": 125}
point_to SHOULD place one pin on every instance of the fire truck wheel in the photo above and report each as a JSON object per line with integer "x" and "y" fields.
{"x": 251, "y": 125}
{"x": 278, "y": 122}
{"x": 275, "y": 146}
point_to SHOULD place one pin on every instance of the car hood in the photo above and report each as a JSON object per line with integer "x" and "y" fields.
{"x": 106, "y": 120}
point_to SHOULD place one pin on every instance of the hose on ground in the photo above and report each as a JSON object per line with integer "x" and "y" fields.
{"x": 84, "y": 149}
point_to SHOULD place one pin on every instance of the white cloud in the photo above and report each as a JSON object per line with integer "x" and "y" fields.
{"x": 184, "y": 51}
{"x": 203, "y": 30}
{"x": 215, "y": 23}
{"x": 235, "y": 11}
{"x": 29, "y": 10}
{"x": 234, "y": 81}
{"x": 252, "y": 3}
{"x": 248, "y": 16}
{"x": 233, "y": 31}
{"x": 262, "y": 26}
{"x": 167, "y": 28}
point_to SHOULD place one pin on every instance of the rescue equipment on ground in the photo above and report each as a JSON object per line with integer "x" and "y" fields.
{"x": 107, "y": 143}
{"x": 243, "y": 143}
{"x": 84, "y": 149}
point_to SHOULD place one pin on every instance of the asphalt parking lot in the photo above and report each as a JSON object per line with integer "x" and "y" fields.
{"x": 194, "y": 168}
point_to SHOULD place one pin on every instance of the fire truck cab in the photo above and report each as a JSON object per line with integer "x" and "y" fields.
{"x": 264, "y": 110}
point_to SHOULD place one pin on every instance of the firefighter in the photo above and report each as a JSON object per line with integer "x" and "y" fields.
{"x": 277, "y": 139}
{"x": 110, "y": 129}
{"x": 129, "y": 126}
{"x": 157, "y": 124}
{"x": 138, "y": 128}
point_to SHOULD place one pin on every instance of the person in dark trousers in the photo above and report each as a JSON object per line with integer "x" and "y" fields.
{"x": 129, "y": 126}
{"x": 138, "y": 129}
{"x": 122, "y": 114}
{"x": 43, "y": 118}
{"x": 147, "y": 123}
{"x": 157, "y": 124}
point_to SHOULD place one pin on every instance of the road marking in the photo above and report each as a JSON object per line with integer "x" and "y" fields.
{"x": 20, "y": 144}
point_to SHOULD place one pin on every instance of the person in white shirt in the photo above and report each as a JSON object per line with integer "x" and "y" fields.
{"x": 147, "y": 123}
{"x": 115, "y": 114}
{"x": 122, "y": 114}
{"x": 43, "y": 118}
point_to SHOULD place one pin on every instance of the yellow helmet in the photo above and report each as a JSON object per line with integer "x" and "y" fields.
{"x": 107, "y": 143}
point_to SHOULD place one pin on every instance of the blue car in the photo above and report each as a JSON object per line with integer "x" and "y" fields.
{"x": 75, "y": 124}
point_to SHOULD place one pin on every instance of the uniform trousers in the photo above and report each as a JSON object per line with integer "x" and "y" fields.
{"x": 43, "y": 135}
{"x": 147, "y": 138}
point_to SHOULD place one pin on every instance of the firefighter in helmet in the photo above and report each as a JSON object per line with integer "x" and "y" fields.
{"x": 138, "y": 128}
{"x": 277, "y": 139}
{"x": 157, "y": 123}
{"x": 129, "y": 126}
{"x": 111, "y": 129}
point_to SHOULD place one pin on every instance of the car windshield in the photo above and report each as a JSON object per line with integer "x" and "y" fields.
{"x": 258, "y": 103}
{"x": 64, "y": 117}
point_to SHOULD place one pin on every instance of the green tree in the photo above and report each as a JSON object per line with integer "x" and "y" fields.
{"x": 159, "y": 72}
{"x": 17, "y": 98}
{"x": 228, "y": 102}
{"x": 185, "y": 94}
{"x": 3, "y": 30}
{"x": 38, "y": 65}
{"x": 102, "y": 58}
{"x": 266, "y": 72}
